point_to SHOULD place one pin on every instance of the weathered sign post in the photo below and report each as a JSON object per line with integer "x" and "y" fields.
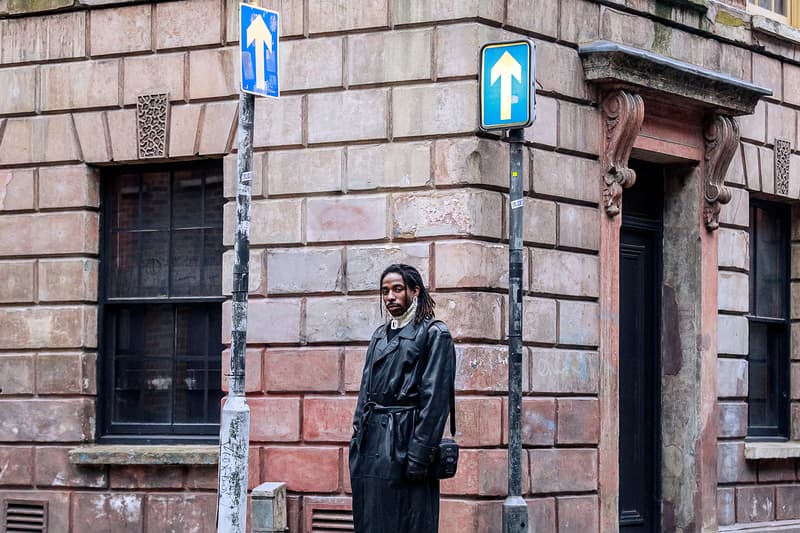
{"x": 507, "y": 102}
{"x": 258, "y": 39}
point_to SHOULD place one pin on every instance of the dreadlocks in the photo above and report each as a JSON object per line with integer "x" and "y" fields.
{"x": 413, "y": 280}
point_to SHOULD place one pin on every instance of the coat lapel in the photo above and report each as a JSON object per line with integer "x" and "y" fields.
{"x": 385, "y": 347}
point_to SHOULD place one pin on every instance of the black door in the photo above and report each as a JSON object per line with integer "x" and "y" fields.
{"x": 639, "y": 356}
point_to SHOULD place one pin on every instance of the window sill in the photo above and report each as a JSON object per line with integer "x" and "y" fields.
{"x": 784, "y": 526}
{"x": 122, "y": 454}
{"x": 775, "y": 28}
{"x": 771, "y": 450}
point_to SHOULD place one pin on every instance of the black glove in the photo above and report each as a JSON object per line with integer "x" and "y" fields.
{"x": 415, "y": 471}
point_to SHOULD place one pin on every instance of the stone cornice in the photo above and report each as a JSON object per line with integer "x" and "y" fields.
{"x": 609, "y": 63}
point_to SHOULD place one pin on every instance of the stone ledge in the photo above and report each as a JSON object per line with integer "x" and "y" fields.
{"x": 771, "y": 450}
{"x": 782, "y": 526}
{"x": 613, "y": 64}
{"x": 762, "y": 24}
{"x": 122, "y": 454}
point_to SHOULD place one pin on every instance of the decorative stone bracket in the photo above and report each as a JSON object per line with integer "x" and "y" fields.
{"x": 623, "y": 114}
{"x": 722, "y": 138}
{"x": 619, "y": 66}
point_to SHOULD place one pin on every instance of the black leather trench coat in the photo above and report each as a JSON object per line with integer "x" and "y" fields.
{"x": 401, "y": 412}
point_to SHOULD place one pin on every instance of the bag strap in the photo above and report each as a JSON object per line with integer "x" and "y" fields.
{"x": 452, "y": 397}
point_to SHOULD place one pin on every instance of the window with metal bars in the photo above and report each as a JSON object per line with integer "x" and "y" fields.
{"x": 769, "y": 321}
{"x": 161, "y": 303}
{"x": 786, "y": 11}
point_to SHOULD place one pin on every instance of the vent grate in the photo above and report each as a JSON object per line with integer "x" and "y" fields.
{"x": 331, "y": 521}
{"x": 25, "y": 516}
{"x": 328, "y": 515}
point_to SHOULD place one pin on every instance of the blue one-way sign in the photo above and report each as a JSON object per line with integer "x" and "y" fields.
{"x": 506, "y": 84}
{"x": 258, "y": 42}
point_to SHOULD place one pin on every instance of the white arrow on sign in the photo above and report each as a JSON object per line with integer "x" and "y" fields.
{"x": 505, "y": 68}
{"x": 257, "y": 32}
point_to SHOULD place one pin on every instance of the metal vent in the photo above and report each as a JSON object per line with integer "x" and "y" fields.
{"x": 328, "y": 515}
{"x": 331, "y": 521}
{"x": 25, "y": 516}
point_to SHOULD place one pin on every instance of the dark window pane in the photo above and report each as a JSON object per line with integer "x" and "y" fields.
{"x": 188, "y": 199}
{"x": 126, "y": 201}
{"x": 192, "y": 330}
{"x": 765, "y": 383}
{"x": 143, "y": 374}
{"x": 128, "y": 388}
{"x": 779, "y": 7}
{"x": 768, "y": 356}
{"x": 125, "y": 267}
{"x": 212, "y": 262}
{"x": 154, "y": 267}
{"x": 155, "y": 200}
{"x": 186, "y": 260}
{"x": 191, "y": 391}
{"x": 770, "y": 265}
{"x": 214, "y": 200}
{"x": 758, "y": 378}
{"x": 164, "y": 240}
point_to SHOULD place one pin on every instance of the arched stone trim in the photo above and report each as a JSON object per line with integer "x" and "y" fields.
{"x": 623, "y": 114}
{"x": 722, "y": 138}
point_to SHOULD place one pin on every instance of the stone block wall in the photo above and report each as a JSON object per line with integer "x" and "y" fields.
{"x": 382, "y": 166}
{"x": 369, "y": 157}
{"x": 755, "y": 490}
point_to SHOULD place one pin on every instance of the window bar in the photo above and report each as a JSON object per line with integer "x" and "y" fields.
{"x": 202, "y": 230}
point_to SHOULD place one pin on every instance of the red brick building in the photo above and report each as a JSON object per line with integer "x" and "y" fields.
{"x": 662, "y": 373}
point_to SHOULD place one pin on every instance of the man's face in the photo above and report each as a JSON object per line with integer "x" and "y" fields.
{"x": 396, "y": 296}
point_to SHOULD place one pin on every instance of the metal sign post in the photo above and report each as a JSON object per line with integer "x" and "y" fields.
{"x": 508, "y": 105}
{"x": 258, "y": 39}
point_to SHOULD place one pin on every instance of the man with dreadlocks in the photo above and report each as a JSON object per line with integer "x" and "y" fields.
{"x": 403, "y": 404}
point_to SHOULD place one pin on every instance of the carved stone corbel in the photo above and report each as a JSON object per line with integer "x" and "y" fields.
{"x": 623, "y": 114}
{"x": 722, "y": 138}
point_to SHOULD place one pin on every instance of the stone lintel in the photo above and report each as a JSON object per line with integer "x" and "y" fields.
{"x": 771, "y": 450}
{"x": 609, "y": 63}
{"x": 122, "y": 454}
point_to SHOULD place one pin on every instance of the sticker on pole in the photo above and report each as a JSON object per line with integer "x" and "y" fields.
{"x": 506, "y": 85}
{"x": 258, "y": 42}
